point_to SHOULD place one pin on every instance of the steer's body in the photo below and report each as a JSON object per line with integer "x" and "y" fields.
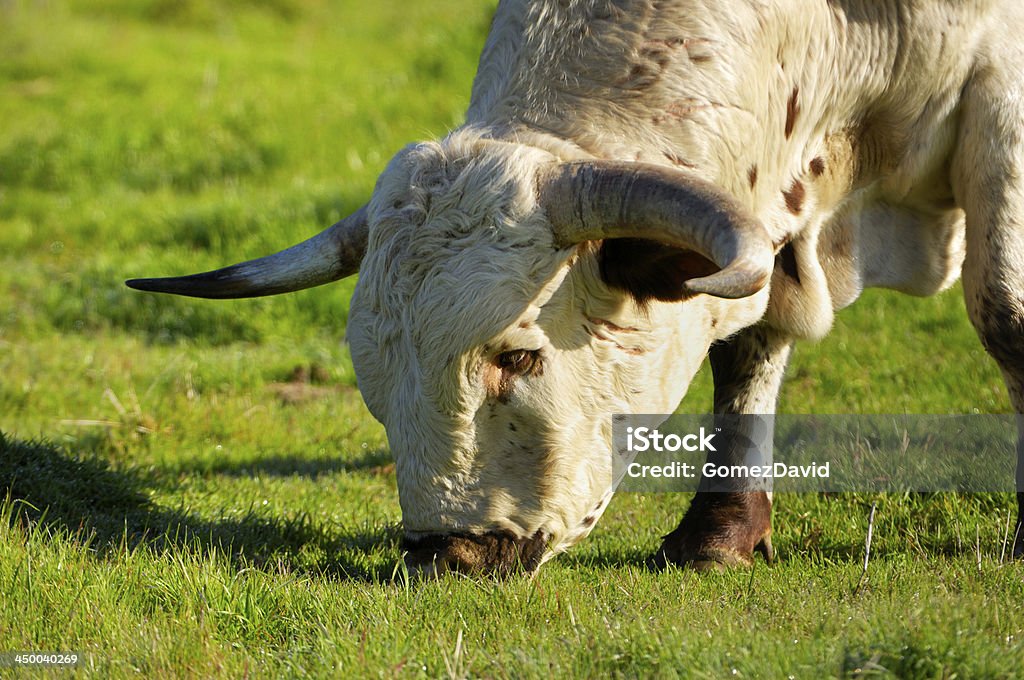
{"x": 834, "y": 122}
{"x": 639, "y": 181}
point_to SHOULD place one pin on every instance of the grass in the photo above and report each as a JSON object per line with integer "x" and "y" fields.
{"x": 176, "y": 499}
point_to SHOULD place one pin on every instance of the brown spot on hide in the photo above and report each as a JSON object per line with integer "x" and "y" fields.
{"x": 699, "y": 50}
{"x": 792, "y": 111}
{"x": 671, "y": 43}
{"x": 684, "y": 108}
{"x": 795, "y": 197}
{"x": 636, "y": 351}
{"x": 676, "y": 159}
{"x": 817, "y": 166}
{"x": 612, "y": 326}
{"x": 752, "y": 175}
{"x": 645, "y": 73}
{"x": 497, "y": 383}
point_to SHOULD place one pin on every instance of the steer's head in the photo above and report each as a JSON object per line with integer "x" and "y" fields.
{"x": 508, "y": 306}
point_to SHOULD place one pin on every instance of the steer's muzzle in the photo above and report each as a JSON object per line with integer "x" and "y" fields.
{"x": 497, "y": 553}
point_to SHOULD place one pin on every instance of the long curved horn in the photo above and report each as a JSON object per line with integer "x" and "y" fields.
{"x": 593, "y": 200}
{"x": 333, "y": 254}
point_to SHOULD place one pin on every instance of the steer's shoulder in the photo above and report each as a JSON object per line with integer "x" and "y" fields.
{"x": 669, "y": 81}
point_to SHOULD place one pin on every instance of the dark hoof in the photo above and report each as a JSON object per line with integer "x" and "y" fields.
{"x": 711, "y": 557}
{"x": 719, "y": 532}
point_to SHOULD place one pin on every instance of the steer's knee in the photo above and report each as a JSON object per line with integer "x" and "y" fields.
{"x": 998, "y": 316}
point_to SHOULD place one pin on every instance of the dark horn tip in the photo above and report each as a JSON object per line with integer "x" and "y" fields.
{"x": 140, "y": 284}
{"x": 211, "y": 285}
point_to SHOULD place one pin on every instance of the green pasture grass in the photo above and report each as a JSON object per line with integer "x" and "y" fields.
{"x": 194, "y": 489}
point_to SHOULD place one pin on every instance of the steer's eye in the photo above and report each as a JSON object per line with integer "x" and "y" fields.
{"x": 519, "y": 361}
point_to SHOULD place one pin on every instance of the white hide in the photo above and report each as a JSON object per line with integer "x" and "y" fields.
{"x": 832, "y": 122}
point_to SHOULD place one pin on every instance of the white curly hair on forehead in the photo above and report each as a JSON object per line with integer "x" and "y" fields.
{"x": 456, "y": 231}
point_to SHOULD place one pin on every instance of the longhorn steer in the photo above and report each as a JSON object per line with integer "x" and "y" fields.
{"x": 638, "y": 182}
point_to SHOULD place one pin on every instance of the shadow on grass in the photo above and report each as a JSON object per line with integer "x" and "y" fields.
{"x": 610, "y": 559}
{"x": 375, "y": 461}
{"x": 110, "y": 509}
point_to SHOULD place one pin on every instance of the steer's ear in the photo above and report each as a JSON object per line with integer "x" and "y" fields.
{"x": 649, "y": 270}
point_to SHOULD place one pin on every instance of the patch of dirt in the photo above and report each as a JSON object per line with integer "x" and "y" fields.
{"x": 382, "y": 470}
{"x": 305, "y": 384}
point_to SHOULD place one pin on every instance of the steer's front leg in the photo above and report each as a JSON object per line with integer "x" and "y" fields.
{"x": 988, "y": 182}
{"x": 726, "y": 523}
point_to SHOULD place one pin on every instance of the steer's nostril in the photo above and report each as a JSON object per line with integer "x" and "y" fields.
{"x": 498, "y": 553}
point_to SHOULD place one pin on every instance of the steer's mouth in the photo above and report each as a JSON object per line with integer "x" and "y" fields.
{"x": 495, "y": 553}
